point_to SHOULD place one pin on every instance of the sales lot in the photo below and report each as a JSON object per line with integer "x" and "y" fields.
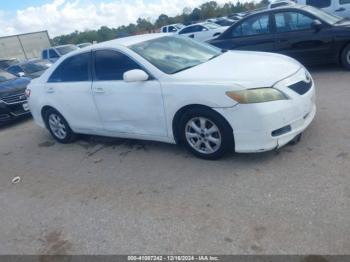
{"x": 108, "y": 196}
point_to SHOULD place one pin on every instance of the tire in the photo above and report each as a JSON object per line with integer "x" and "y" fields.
{"x": 345, "y": 57}
{"x": 205, "y": 133}
{"x": 59, "y": 127}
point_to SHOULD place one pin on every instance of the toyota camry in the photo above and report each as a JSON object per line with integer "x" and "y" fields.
{"x": 174, "y": 89}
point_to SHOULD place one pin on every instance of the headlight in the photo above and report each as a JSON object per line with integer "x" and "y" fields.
{"x": 258, "y": 95}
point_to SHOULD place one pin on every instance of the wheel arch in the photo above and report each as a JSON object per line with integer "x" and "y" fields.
{"x": 345, "y": 45}
{"x": 182, "y": 110}
{"x": 44, "y": 109}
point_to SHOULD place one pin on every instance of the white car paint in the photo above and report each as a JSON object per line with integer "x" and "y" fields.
{"x": 203, "y": 31}
{"x": 337, "y": 7}
{"x": 173, "y": 28}
{"x": 146, "y": 110}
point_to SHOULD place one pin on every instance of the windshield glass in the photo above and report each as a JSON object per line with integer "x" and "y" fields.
{"x": 31, "y": 68}
{"x": 66, "y": 49}
{"x": 174, "y": 54}
{"x": 327, "y": 17}
{"x": 4, "y": 76}
{"x": 211, "y": 25}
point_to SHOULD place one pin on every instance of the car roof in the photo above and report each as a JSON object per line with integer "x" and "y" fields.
{"x": 284, "y": 7}
{"x": 127, "y": 41}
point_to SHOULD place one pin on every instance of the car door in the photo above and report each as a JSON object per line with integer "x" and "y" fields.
{"x": 69, "y": 91}
{"x": 126, "y": 107}
{"x": 297, "y": 37}
{"x": 201, "y": 33}
{"x": 343, "y": 9}
{"x": 252, "y": 33}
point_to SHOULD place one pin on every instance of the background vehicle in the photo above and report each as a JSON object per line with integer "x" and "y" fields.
{"x": 13, "y": 103}
{"x": 5, "y": 63}
{"x": 202, "y": 31}
{"x": 280, "y": 3}
{"x": 171, "y": 28}
{"x": 305, "y": 33}
{"x": 52, "y": 54}
{"x": 337, "y": 7}
{"x": 221, "y": 21}
{"x": 174, "y": 89}
{"x": 31, "y": 68}
{"x": 82, "y": 45}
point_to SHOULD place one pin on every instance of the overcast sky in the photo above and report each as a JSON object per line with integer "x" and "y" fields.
{"x": 65, "y": 16}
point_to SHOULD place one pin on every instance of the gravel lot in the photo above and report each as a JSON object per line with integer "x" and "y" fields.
{"x": 108, "y": 196}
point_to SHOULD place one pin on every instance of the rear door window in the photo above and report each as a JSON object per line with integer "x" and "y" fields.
{"x": 73, "y": 69}
{"x": 256, "y": 25}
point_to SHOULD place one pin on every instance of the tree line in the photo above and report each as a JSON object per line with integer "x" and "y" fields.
{"x": 205, "y": 11}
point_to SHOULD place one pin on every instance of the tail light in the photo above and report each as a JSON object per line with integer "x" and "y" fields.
{"x": 27, "y": 93}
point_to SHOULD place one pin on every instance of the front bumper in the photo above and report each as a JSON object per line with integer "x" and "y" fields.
{"x": 11, "y": 112}
{"x": 254, "y": 124}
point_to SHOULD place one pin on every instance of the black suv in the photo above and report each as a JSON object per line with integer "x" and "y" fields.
{"x": 13, "y": 102}
{"x": 305, "y": 33}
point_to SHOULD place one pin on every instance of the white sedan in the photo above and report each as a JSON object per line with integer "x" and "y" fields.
{"x": 203, "y": 31}
{"x": 175, "y": 90}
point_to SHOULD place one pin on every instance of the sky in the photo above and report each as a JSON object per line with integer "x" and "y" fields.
{"x": 65, "y": 16}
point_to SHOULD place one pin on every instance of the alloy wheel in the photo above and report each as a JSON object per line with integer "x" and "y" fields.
{"x": 57, "y": 126}
{"x": 203, "y": 135}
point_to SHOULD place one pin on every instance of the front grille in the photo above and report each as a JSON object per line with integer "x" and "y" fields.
{"x": 14, "y": 99}
{"x": 301, "y": 87}
{"x": 17, "y": 110}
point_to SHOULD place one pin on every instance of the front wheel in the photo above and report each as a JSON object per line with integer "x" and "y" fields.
{"x": 59, "y": 127}
{"x": 345, "y": 57}
{"x": 206, "y": 134}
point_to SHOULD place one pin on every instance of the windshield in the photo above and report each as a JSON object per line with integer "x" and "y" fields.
{"x": 174, "y": 54}
{"x": 31, "y": 68}
{"x": 179, "y": 26}
{"x": 4, "y": 76}
{"x": 66, "y": 49}
{"x": 327, "y": 17}
{"x": 211, "y": 25}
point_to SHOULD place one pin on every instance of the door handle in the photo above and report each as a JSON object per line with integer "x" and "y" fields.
{"x": 50, "y": 90}
{"x": 99, "y": 90}
{"x": 340, "y": 9}
{"x": 191, "y": 36}
{"x": 282, "y": 40}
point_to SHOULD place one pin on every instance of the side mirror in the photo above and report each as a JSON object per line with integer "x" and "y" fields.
{"x": 317, "y": 25}
{"x": 21, "y": 74}
{"x": 135, "y": 75}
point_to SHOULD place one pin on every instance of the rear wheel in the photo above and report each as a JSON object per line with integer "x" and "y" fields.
{"x": 345, "y": 57}
{"x": 206, "y": 134}
{"x": 59, "y": 127}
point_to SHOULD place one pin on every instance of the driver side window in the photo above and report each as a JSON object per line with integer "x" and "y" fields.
{"x": 256, "y": 25}
{"x": 111, "y": 65}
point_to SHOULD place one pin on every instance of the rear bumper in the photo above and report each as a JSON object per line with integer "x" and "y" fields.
{"x": 268, "y": 126}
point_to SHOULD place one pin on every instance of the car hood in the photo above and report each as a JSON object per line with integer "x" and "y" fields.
{"x": 13, "y": 86}
{"x": 245, "y": 68}
{"x": 36, "y": 74}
